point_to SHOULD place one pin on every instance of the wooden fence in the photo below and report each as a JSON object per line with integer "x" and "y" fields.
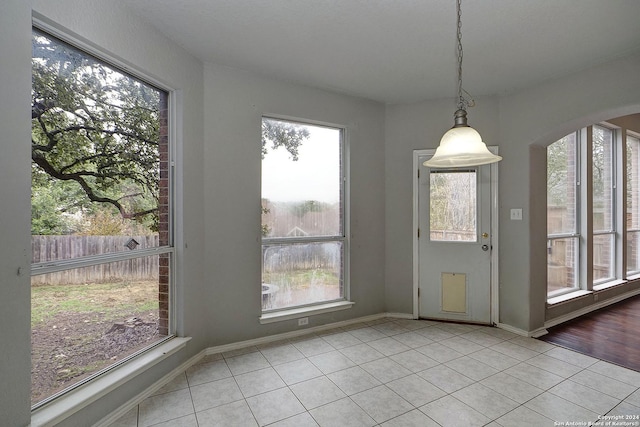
{"x": 55, "y": 248}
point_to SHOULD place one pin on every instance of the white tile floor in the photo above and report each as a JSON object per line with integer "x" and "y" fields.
{"x": 395, "y": 372}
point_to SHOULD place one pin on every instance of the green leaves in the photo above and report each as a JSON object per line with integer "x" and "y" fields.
{"x": 282, "y": 134}
{"x": 95, "y": 127}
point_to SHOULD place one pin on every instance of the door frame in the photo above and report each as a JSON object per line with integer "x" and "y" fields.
{"x": 495, "y": 306}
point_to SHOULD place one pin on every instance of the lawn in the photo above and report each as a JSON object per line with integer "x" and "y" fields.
{"x": 77, "y": 330}
{"x": 300, "y": 287}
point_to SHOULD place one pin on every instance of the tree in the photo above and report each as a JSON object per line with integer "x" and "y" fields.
{"x": 55, "y": 208}
{"x": 559, "y": 175}
{"x": 279, "y": 133}
{"x": 275, "y": 134}
{"x": 95, "y": 129}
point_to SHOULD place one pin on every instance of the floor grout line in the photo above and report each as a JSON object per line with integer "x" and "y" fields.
{"x": 389, "y": 331}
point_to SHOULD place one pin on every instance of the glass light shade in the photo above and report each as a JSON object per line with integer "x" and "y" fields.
{"x": 461, "y": 146}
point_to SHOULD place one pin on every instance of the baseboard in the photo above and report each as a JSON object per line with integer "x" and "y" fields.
{"x": 400, "y": 315}
{"x": 289, "y": 335}
{"x": 537, "y": 333}
{"x": 115, "y": 415}
{"x": 513, "y": 329}
{"x": 590, "y": 308}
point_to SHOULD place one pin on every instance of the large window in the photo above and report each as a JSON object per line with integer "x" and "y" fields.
{"x": 100, "y": 218}
{"x": 586, "y": 248}
{"x": 303, "y": 237}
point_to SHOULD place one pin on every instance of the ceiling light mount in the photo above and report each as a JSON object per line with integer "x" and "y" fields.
{"x": 462, "y": 145}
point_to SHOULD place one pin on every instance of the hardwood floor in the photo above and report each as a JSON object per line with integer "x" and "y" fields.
{"x": 611, "y": 333}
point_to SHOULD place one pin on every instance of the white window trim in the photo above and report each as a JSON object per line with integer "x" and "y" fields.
{"x": 554, "y": 300}
{"x": 288, "y": 313}
{"x": 80, "y": 397}
{"x": 298, "y": 312}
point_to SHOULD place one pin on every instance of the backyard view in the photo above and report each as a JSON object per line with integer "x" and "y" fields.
{"x": 302, "y": 214}
{"x": 80, "y": 329}
{"x": 101, "y": 250}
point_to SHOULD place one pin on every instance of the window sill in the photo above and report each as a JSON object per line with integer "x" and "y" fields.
{"x": 567, "y": 297}
{"x": 80, "y": 397}
{"x": 612, "y": 284}
{"x": 295, "y": 313}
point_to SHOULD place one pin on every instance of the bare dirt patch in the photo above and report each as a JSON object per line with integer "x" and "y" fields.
{"x": 76, "y": 333}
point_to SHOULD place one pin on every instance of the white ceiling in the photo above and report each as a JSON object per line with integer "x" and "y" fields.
{"x": 400, "y": 51}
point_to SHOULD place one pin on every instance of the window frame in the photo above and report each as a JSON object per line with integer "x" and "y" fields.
{"x": 576, "y": 233}
{"x": 585, "y": 231}
{"x": 614, "y": 226}
{"x": 630, "y": 230}
{"x": 292, "y": 312}
{"x": 154, "y": 352}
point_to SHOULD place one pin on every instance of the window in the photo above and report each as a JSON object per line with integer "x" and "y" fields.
{"x": 453, "y": 212}
{"x": 304, "y": 243}
{"x": 101, "y": 217}
{"x": 585, "y": 235}
{"x": 633, "y": 205}
{"x": 603, "y": 205}
{"x": 562, "y": 217}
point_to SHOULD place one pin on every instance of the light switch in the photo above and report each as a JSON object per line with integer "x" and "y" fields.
{"x": 516, "y": 214}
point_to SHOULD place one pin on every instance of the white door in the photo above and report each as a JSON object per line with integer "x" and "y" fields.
{"x": 454, "y": 242}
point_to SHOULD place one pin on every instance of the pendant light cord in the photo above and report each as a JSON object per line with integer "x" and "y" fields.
{"x": 461, "y": 101}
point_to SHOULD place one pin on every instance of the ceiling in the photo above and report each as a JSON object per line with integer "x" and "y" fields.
{"x": 400, "y": 51}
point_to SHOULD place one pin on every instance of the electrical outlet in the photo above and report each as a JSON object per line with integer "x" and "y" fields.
{"x": 303, "y": 321}
{"x": 516, "y": 214}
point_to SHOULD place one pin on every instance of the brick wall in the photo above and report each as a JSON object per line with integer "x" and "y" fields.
{"x": 163, "y": 217}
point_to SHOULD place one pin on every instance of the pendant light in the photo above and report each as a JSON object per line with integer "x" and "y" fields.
{"x": 461, "y": 145}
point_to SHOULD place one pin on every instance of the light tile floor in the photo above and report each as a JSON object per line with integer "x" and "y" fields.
{"x": 392, "y": 373}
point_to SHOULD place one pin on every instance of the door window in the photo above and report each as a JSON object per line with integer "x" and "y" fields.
{"x": 453, "y": 206}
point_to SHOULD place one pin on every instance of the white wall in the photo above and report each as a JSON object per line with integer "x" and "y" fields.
{"x": 15, "y": 87}
{"x": 116, "y": 32}
{"x": 521, "y": 124}
{"x": 533, "y": 118}
{"x": 412, "y": 127}
{"x": 234, "y": 104}
{"x": 218, "y": 189}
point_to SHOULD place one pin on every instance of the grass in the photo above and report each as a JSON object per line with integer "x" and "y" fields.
{"x": 47, "y": 301}
{"x": 302, "y": 278}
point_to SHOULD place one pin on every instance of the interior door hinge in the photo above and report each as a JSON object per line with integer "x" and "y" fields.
{"x": 418, "y": 233}
{"x": 418, "y": 292}
{"x": 418, "y": 173}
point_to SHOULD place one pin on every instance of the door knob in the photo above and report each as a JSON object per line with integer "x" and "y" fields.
{"x": 485, "y": 247}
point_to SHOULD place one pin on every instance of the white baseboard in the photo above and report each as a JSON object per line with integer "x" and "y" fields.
{"x": 289, "y": 335}
{"x": 400, "y": 315}
{"x": 513, "y": 329}
{"x": 115, "y": 415}
{"x": 590, "y": 308}
{"x": 257, "y": 342}
{"x": 538, "y": 332}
